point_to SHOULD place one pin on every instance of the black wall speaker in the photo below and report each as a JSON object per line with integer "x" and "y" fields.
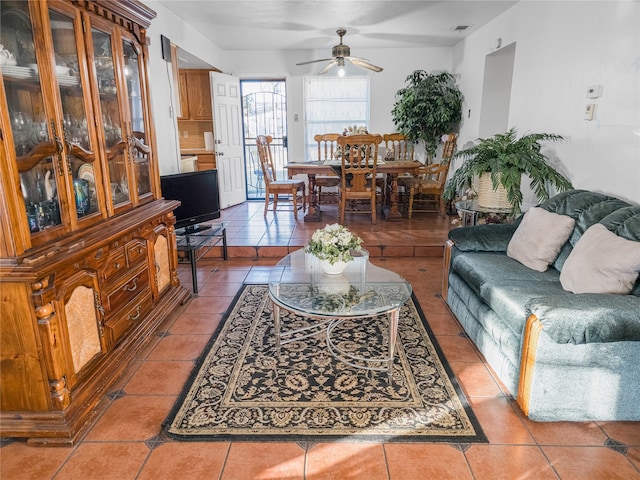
{"x": 166, "y": 48}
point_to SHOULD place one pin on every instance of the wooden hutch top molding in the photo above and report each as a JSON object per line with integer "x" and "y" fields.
{"x": 128, "y": 14}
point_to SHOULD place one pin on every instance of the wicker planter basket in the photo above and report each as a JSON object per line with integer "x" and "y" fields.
{"x": 490, "y": 198}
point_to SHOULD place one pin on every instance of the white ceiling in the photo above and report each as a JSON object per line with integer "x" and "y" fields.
{"x": 312, "y": 24}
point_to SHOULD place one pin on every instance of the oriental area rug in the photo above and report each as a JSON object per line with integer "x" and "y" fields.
{"x": 242, "y": 390}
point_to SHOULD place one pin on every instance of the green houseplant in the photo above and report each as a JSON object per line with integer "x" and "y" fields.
{"x": 427, "y": 108}
{"x": 506, "y": 158}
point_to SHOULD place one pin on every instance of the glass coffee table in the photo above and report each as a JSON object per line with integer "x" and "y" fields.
{"x": 364, "y": 291}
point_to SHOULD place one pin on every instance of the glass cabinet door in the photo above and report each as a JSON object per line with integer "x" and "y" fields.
{"x": 37, "y": 147}
{"x": 112, "y": 121}
{"x": 139, "y": 149}
{"x": 81, "y": 157}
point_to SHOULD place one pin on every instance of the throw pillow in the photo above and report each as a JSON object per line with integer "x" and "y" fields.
{"x": 539, "y": 238}
{"x": 601, "y": 262}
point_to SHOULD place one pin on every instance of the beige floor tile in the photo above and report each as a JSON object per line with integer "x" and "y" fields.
{"x": 108, "y": 461}
{"x": 185, "y": 460}
{"x": 566, "y": 433}
{"x": 264, "y": 461}
{"x": 19, "y": 461}
{"x": 500, "y": 422}
{"x": 475, "y": 379}
{"x": 159, "y": 378}
{"x": 179, "y": 347}
{"x": 414, "y": 461}
{"x": 328, "y": 461}
{"x": 196, "y": 324}
{"x": 132, "y": 418}
{"x": 593, "y": 463}
{"x": 508, "y": 462}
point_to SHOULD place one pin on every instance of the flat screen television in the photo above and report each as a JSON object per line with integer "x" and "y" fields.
{"x": 198, "y": 194}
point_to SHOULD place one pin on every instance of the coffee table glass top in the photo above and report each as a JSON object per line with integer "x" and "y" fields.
{"x": 298, "y": 283}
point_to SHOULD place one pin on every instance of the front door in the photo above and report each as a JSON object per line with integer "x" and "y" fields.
{"x": 227, "y": 122}
{"x": 264, "y": 110}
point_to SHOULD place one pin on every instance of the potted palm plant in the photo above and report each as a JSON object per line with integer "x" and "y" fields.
{"x": 501, "y": 161}
{"x": 427, "y": 108}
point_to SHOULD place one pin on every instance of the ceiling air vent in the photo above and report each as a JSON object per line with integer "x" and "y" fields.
{"x": 460, "y": 28}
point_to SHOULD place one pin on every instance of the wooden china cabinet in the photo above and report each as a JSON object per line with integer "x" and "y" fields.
{"x": 87, "y": 248}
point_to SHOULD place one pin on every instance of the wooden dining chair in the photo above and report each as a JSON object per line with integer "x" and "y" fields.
{"x": 426, "y": 189}
{"x": 327, "y": 146}
{"x": 276, "y": 187}
{"x": 398, "y": 148}
{"x": 358, "y": 174}
{"x": 424, "y": 192}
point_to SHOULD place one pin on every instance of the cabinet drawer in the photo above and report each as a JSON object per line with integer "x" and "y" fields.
{"x": 206, "y": 161}
{"x": 136, "y": 251}
{"x": 115, "y": 264}
{"x": 126, "y": 289}
{"x": 120, "y": 323}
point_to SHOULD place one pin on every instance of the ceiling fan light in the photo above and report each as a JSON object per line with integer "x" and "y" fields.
{"x": 341, "y": 71}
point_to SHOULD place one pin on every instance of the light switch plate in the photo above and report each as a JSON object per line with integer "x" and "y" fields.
{"x": 590, "y": 111}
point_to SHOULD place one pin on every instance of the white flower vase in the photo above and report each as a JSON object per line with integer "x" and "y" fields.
{"x": 332, "y": 269}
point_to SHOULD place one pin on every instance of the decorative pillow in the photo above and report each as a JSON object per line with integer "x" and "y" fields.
{"x": 601, "y": 262}
{"x": 538, "y": 239}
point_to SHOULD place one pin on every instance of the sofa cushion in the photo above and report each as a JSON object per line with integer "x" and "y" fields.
{"x": 509, "y": 298}
{"x": 625, "y": 223}
{"x": 588, "y": 317}
{"x": 477, "y": 268}
{"x": 587, "y": 208}
{"x": 539, "y": 238}
{"x": 483, "y": 238}
{"x": 602, "y": 262}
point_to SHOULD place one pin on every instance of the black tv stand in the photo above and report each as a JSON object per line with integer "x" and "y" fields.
{"x": 190, "y": 241}
{"x": 192, "y": 229}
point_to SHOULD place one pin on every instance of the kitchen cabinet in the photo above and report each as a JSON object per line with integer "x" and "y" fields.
{"x": 206, "y": 161}
{"x": 87, "y": 245}
{"x": 195, "y": 95}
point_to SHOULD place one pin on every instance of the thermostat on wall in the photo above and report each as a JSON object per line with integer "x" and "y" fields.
{"x": 594, "y": 91}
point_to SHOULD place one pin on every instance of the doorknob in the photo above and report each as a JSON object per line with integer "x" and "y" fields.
{"x": 220, "y": 154}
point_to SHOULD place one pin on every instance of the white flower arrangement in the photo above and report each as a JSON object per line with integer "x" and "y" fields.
{"x": 334, "y": 243}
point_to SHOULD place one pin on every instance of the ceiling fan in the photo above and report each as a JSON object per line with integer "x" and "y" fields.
{"x": 342, "y": 53}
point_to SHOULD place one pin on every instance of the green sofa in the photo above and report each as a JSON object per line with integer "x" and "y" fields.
{"x": 562, "y": 355}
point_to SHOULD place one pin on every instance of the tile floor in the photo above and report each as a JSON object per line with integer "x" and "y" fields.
{"x": 125, "y": 441}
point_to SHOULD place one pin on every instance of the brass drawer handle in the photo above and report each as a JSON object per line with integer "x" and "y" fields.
{"x": 132, "y": 287}
{"x": 136, "y": 315}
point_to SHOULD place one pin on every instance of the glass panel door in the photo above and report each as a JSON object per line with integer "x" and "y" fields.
{"x": 264, "y": 112}
{"x": 80, "y": 152}
{"x": 139, "y": 150}
{"x": 36, "y": 152}
{"x": 112, "y": 121}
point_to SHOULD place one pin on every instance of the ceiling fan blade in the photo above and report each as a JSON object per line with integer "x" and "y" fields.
{"x": 361, "y": 62}
{"x": 314, "y": 61}
{"x": 328, "y": 67}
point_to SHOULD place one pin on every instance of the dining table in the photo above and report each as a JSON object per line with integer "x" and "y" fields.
{"x": 391, "y": 169}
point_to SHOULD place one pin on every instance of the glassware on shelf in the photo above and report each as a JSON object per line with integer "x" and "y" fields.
{"x": 81, "y": 191}
{"x": 21, "y": 126}
{"x": 39, "y": 132}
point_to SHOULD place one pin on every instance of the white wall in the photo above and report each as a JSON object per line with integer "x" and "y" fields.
{"x": 562, "y": 47}
{"x": 397, "y": 64}
{"x": 168, "y": 24}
